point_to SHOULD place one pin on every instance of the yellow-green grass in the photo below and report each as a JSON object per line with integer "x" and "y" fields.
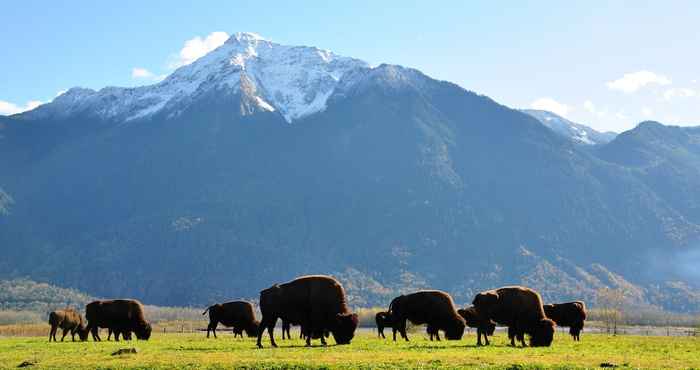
{"x": 193, "y": 351}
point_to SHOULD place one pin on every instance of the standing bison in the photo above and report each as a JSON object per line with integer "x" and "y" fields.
{"x": 520, "y": 309}
{"x": 120, "y": 315}
{"x": 571, "y": 314}
{"x": 483, "y": 326}
{"x": 237, "y": 314}
{"x": 316, "y": 302}
{"x": 70, "y": 321}
{"x": 431, "y": 307}
{"x": 383, "y": 320}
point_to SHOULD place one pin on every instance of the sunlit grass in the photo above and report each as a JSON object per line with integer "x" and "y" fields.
{"x": 195, "y": 351}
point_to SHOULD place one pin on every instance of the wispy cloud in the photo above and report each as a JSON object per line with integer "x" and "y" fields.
{"x": 197, "y": 47}
{"x": 592, "y": 109}
{"x": 647, "y": 112}
{"x": 7, "y": 108}
{"x": 679, "y": 93}
{"x": 632, "y": 82}
{"x": 551, "y": 105}
{"x": 144, "y": 74}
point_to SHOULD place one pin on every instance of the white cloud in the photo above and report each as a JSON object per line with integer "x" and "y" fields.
{"x": 679, "y": 93}
{"x": 647, "y": 112}
{"x": 551, "y": 105}
{"x": 591, "y": 108}
{"x": 7, "y": 108}
{"x": 632, "y": 82}
{"x": 621, "y": 115}
{"x": 59, "y": 93}
{"x": 197, "y": 47}
{"x": 141, "y": 73}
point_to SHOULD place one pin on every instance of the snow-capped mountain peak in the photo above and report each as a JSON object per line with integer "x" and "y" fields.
{"x": 576, "y": 132}
{"x": 295, "y": 81}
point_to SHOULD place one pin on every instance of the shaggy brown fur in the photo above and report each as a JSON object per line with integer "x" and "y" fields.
{"x": 120, "y": 315}
{"x": 316, "y": 302}
{"x": 520, "y": 309}
{"x": 571, "y": 314}
{"x": 237, "y": 314}
{"x": 70, "y": 321}
{"x": 474, "y": 320}
{"x": 432, "y": 307}
{"x": 383, "y": 320}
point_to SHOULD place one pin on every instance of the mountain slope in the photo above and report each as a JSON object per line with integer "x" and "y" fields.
{"x": 398, "y": 180}
{"x": 577, "y": 132}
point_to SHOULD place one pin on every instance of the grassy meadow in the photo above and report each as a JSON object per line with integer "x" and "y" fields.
{"x": 194, "y": 351}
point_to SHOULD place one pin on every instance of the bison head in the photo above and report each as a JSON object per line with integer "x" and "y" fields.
{"x": 83, "y": 332}
{"x": 456, "y": 330}
{"x": 344, "y": 329}
{"x": 542, "y": 333}
{"x": 252, "y": 330}
{"x": 143, "y": 332}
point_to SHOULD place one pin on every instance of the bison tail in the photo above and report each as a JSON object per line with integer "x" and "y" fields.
{"x": 205, "y": 311}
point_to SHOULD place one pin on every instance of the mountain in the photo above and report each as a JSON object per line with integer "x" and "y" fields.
{"x": 576, "y": 132}
{"x": 260, "y": 162}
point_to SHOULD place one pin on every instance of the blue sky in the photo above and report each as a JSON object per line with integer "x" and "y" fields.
{"x": 608, "y": 64}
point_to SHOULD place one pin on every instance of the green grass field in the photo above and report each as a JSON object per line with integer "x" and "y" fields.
{"x": 194, "y": 351}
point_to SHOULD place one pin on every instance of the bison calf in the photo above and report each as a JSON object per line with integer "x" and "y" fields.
{"x": 483, "y": 326}
{"x": 571, "y": 314}
{"x": 520, "y": 309}
{"x": 70, "y": 321}
{"x": 316, "y": 302}
{"x": 431, "y": 307}
{"x": 237, "y": 314}
{"x": 383, "y": 320}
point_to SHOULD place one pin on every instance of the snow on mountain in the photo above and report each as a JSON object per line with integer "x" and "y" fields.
{"x": 577, "y": 132}
{"x": 295, "y": 81}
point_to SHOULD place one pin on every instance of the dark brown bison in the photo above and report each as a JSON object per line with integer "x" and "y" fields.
{"x": 70, "y": 321}
{"x": 520, "y": 309}
{"x": 571, "y": 314}
{"x": 383, "y": 320}
{"x": 120, "y": 315}
{"x": 237, "y": 314}
{"x": 474, "y": 320}
{"x": 431, "y": 307}
{"x": 316, "y": 302}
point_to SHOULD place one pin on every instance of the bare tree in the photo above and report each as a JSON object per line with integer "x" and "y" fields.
{"x": 612, "y": 303}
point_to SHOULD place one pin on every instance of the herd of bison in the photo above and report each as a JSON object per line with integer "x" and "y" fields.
{"x": 318, "y": 305}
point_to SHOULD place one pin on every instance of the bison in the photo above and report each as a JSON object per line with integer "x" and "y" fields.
{"x": 316, "y": 302}
{"x": 474, "y": 320}
{"x": 120, "y": 315}
{"x": 236, "y": 314}
{"x": 70, "y": 321}
{"x": 431, "y": 307}
{"x": 126, "y": 335}
{"x": 520, "y": 309}
{"x": 383, "y": 320}
{"x": 571, "y": 314}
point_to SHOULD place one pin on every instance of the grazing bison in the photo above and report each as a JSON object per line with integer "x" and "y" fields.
{"x": 571, "y": 314}
{"x": 70, "y": 321}
{"x": 474, "y": 320}
{"x": 316, "y": 302}
{"x": 431, "y": 307}
{"x": 383, "y": 320}
{"x": 520, "y": 309}
{"x": 237, "y": 314}
{"x": 120, "y": 315}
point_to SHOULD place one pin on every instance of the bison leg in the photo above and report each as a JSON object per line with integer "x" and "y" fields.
{"x": 65, "y": 332}
{"x": 380, "y": 332}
